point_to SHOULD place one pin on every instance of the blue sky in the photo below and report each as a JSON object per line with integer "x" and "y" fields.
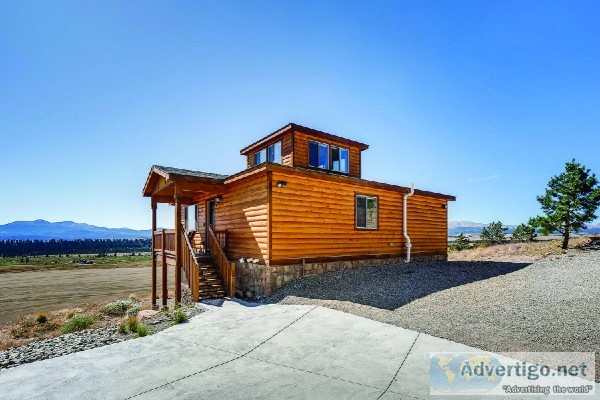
{"x": 482, "y": 100}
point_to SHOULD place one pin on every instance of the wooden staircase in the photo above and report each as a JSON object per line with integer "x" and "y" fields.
{"x": 210, "y": 284}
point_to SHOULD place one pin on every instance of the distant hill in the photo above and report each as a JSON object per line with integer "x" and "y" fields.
{"x": 68, "y": 230}
{"x": 474, "y": 228}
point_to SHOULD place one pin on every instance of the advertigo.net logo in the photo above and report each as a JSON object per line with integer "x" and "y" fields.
{"x": 481, "y": 373}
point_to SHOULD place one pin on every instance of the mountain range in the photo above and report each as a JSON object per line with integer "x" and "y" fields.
{"x": 69, "y": 230}
{"x": 474, "y": 228}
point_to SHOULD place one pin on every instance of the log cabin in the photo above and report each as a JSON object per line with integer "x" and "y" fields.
{"x": 299, "y": 208}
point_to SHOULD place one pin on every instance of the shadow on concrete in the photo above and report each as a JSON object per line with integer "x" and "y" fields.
{"x": 390, "y": 287}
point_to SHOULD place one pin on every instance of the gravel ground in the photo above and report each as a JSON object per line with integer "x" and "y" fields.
{"x": 79, "y": 341}
{"x": 548, "y": 305}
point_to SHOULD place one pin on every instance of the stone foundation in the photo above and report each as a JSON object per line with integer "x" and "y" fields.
{"x": 254, "y": 279}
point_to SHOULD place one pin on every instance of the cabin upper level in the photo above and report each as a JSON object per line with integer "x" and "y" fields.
{"x": 298, "y": 146}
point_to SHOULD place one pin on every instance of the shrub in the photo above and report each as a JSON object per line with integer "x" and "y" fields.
{"x": 462, "y": 242}
{"x": 40, "y": 318}
{"x": 70, "y": 314}
{"x": 45, "y": 327}
{"x": 78, "y": 323}
{"x": 143, "y": 330}
{"x": 524, "y": 233}
{"x": 494, "y": 234}
{"x": 133, "y": 311}
{"x": 179, "y": 316}
{"x": 123, "y": 327}
{"x": 19, "y": 332}
{"x": 132, "y": 323}
{"x": 117, "y": 308}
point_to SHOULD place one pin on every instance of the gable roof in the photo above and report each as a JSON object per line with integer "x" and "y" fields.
{"x": 179, "y": 174}
{"x": 295, "y": 127}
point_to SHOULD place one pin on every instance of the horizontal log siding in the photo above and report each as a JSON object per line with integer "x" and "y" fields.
{"x": 427, "y": 225}
{"x": 244, "y": 213}
{"x": 312, "y": 218}
{"x": 286, "y": 151}
{"x": 301, "y": 152}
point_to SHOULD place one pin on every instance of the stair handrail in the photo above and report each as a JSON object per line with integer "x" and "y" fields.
{"x": 191, "y": 267}
{"x": 226, "y": 268}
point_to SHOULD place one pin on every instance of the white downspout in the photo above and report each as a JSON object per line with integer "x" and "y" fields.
{"x": 405, "y": 222}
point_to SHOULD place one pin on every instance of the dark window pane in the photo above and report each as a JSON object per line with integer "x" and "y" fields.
{"x": 313, "y": 154}
{"x": 361, "y": 211}
{"x": 260, "y": 157}
{"x": 335, "y": 159}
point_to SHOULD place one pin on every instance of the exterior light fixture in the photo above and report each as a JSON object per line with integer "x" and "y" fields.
{"x": 444, "y": 206}
{"x": 281, "y": 184}
{"x": 219, "y": 198}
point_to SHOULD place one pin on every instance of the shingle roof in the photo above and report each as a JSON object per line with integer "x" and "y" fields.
{"x": 188, "y": 172}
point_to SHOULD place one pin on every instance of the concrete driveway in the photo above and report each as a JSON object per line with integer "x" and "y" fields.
{"x": 243, "y": 351}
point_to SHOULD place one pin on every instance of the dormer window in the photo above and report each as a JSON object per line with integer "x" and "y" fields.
{"x": 318, "y": 154}
{"x": 339, "y": 159}
{"x": 260, "y": 157}
{"x": 274, "y": 151}
{"x": 271, "y": 154}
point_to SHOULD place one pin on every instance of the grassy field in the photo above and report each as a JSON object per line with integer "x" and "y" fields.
{"x": 74, "y": 261}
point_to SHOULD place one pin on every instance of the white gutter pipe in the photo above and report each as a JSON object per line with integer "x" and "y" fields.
{"x": 405, "y": 222}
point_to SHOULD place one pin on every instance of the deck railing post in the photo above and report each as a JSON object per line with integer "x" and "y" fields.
{"x": 177, "y": 249}
{"x": 164, "y": 272}
{"x": 153, "y": 295}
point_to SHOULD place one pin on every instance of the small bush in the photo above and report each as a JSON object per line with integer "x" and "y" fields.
{"x": 462, "y": 242}
{"x": 494, "y": 234}
{"x": 19, "y": 332}
{"x": 123, "y": 327}
{"x": 78, "y": 323}
{"x": 525, "y": 232}
{"x": 133, "y": 311}
{"x": 179, "y": 316}
{"x": 117, "y": 308}
{"x": 70, "y": 314}
{"x": 40, "y": 318}
{"x": 143, "y": 330}
{"x": 132, "y": 323}
{"x": 45, "y": 327}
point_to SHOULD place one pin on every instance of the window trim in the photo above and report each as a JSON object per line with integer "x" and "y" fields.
{"x": 266, "y": 156}
{"x": 373, "y": 196}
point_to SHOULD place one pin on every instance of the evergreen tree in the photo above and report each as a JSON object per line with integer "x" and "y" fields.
{"x": 570, "y": 201}
{"x": 493, "y": 234}
{"x": 525, "y": 232}
{"x": 462, "y": 242}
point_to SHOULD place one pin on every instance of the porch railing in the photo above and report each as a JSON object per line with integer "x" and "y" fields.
{"x": 221, "y": 235}
{"x": 226, "y": 268}
{"x": 190, "y": 266}
{"x": 166, "y": 235}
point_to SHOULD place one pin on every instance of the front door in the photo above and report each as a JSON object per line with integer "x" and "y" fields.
{"x": 210, "y": 219}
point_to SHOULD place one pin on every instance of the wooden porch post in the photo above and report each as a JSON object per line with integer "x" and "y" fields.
{"x": 178, "y": 243}
{"x": 153, "y": 295}
{"x": 165, "y": 289}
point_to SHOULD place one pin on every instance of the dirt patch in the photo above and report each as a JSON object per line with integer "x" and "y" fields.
{"x": 29, "y": 292}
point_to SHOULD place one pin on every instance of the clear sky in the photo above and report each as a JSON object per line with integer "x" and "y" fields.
{"x": 484, "y": 100}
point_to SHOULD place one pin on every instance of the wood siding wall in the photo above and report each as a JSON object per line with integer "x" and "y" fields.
{"x": 286, "y": 151}
{"x": 301, "y": 152}
{"x": 314, "y": 218}
{"x": 243, "y": 212}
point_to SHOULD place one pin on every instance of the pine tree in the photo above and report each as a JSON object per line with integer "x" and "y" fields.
{"x": 570, "y": 201}
{"x": 494, "y": 234}
{"x": 525, "y": 232}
